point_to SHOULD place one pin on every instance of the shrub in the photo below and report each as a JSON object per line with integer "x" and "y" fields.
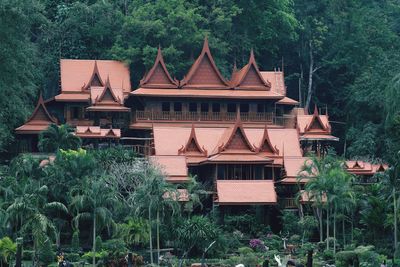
{"x": 27, "y": 255}
{"x": 245, "y": 250}
{"x": 72, "y": 257}
{"x": 345, "y": 258}
{"x": 46, "y": 254}
{"x": 99, "y": 243}
{"x": 368, "y": 257}
{"x": 100, "y": 256}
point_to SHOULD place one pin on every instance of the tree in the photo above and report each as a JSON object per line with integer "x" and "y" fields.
{"x": 58, "y": 137}
{"x": 94, "y": 200}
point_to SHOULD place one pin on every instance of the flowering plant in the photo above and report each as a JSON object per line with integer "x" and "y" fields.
{"x": 257, "y": 244}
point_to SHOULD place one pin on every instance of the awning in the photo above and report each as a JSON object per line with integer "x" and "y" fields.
{"x": 246, "y": 192}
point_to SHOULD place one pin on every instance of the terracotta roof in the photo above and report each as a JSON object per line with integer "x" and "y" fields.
{"x": 244, "y": 158}
{"x": 192, "y": 146}
{"x": 359, "y": 167}
{"x": 76, "y": 74}
{"x": 107, "y": 98}
{"x": 249, "y": 77}
{"x": 234, "y": 139}
{"x": 293, "y": 181}
{"x": 38, "y": 121}
{"x": 276, "y": 79}
{"x": 265, "y": 146}
{"x": 293, "y": 165}
{"x": 158, "y": 76}
{"x": 95, "y": 78}
{"x": 246, "y": 192}
{"x": 97, "y": 132}
{"x": 210, "y": 93}
{"x": 204, "y": 74}
{"x": 317, "y": 124}
{"x": 68, "y": 97}
{"x": 169, "y": 139}
{"x": 174, "y": 167}
{"x": 287, "y": 101}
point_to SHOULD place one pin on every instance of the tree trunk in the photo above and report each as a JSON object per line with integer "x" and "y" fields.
{"x": 343, "y": 230}
{"x": 151, "y": 237}
{"x": 395, "y": 221}
{"x": 310, "y": 77}
{"x": 327, "y": 228}
{"x": 321, "y": 230}
{"x": 158, "y": 237}
{"x": 334, "y": 231}
{"x": 94, "y": 240}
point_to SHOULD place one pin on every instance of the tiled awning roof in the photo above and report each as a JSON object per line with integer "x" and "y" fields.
{"x": 246, "y": 192}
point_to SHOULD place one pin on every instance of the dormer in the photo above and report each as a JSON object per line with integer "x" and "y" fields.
{"x": 192, "y": 146}
{"x": 95, "y": 79}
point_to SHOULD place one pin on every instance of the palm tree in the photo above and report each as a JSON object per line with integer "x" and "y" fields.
{"x": 58, "y": 137}
{"x": 153, "y": 194}
{"x": 93, "y": 200}
{"x": 28, "y": 209}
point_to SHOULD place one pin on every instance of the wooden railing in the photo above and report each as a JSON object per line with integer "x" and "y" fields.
{"x": 288, "y": 203}
{"x": 203, "y": 116}
{"x": 141, "y": 150}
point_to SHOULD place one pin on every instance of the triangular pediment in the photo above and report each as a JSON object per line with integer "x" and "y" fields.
{"x": 237, "y": 141}
{"x": 357, "y": 165}
{"x": 40, "y": 113}
{"x": 158, "y": 76}
{"x": 316, "y": 122}
{"x": 266, "y": 145}
{"x": 249, "y": 77}
{"x": 95, "y": 79}
{"x": 192, "y": 146}
{"x": 204, "y": 73}
{"x": 108, "y": 94}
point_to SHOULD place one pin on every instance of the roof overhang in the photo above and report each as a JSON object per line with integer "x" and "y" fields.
{"x": 246, "y": 192}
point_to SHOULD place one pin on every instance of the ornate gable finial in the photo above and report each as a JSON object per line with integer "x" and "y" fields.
{"x": 316, "y": 119}
{"x": 40, "y": 106}
{"x": 107, "y": 87}
{"x": 240, "y": 137}
{"x": 315, "y": 110}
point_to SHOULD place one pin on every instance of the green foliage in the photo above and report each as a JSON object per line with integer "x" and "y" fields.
{"x": 7, "y": 249}
{"x": 290, "y": 222}
{"x": 58, "y": 137}
{"x": 75, "y": 242}
{"x": 245, "y": 250}
{"x": 134, "y": 231}
{"x": 46, "y": 253}
{"x": 100, "y": 256}
{"x": 345, "y": 258}
{"x": 99, "y": 243}
{"x": 244, "y": 223}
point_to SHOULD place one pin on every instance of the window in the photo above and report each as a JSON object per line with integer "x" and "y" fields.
{"x": 216, "y": 107}
{"x": 260, "y": 108}
{"x": 75, "y": 113}
{"x": 192, "y": 107}
{"x": 244, "y": 108}
{"x": 177, "y": 106}
{"x": 204, "y": 107}
{"x": 231, "y": 107}
{"x": 165, "y": 106}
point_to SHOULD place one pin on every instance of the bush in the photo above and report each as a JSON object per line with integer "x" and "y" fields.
{"x": 245, "y": 250}
{"x": 27, "y": 255}
{"x": 72, "y": 257}
{"x": 243, "y": 223}
{"x": 99, "y": 243}
{"x": 46, "y": 254}
{"x": 368, "y": 257}
{"x": 100, "y": 256}
{"x": 345, "y": 258}
{"x": 273, "y": 242}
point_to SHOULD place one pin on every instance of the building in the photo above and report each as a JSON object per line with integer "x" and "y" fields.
{"x": 242, "y": 137}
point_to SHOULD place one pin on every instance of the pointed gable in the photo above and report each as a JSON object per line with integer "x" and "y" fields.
{"x": 38, "y": 121}
{"x": 266, "y": 145}
{"x": 95, "y": 79}
{"x": 316, "y": 123}
{"x": 204, "y": 74}
{"x": 108, "y": 95}
{"x": 249, "y": 77}
{"x": 192, "y": 146}
{"x": 237, "y": 140}
{"x": 158, "y": 76}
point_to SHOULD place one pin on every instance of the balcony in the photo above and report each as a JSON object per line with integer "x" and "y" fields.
{"x": 288, "y": 203}
{"x": 160, "y": 116}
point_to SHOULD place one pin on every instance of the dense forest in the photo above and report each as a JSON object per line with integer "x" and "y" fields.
{"x": 343, "y": 55}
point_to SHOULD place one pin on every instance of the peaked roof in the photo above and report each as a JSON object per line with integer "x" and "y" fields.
{"x": 236, "y": 140}
{"x": 108, "y": 94}
{"x": 249, "y": 77}
{"x": 266, "y": 145}
{"x": 95, "y": 78}
{"x": 204, "y": 74}
{"x": 158, "y": 76}
{"x": 316, "y": 122}
{"x": 39, "y": 120}
{"x": 192, "y": 146}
